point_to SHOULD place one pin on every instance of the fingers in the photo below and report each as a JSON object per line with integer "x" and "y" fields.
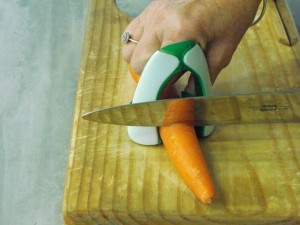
{"x": 165, "y": 22}
{"x": 136, "y": 31}
{"x": 147, "y": 46}
{"x": 218, "y": 56}
{"x": 138, "y": 54}
{"x": 218, "y": 53}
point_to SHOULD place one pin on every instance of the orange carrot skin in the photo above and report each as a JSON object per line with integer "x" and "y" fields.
{"x": 182, "y": 145}
{"x": 183, "y": 148}
{"x": 134, "y": 75}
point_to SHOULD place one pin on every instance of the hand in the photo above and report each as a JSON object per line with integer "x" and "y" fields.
{"x": 217, "y": 25}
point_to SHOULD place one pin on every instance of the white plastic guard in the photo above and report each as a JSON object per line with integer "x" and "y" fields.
{"x": 158, "y": 69}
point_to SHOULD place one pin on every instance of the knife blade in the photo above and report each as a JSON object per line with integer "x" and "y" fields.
{"x": 267, "y": 107}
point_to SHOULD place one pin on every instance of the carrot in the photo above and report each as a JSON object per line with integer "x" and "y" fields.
{"x": 181, "y": 143}
{"x": 134, "y": 75}
{"x": 183, "y": 148}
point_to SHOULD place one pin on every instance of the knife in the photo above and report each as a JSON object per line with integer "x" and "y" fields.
{"x": 265, "y": 107}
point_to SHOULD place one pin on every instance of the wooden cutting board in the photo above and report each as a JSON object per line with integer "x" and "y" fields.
{"x": 255, "y": 168}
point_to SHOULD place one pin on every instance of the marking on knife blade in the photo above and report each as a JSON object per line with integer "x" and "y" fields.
{"x": 272, "y": 107}
{"x": 268, "y": 108}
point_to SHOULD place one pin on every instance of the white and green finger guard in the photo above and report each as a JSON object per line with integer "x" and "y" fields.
{"x": 163, "y": 65}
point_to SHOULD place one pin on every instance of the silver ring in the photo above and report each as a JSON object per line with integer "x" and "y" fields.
{"x": 126, "y": 37}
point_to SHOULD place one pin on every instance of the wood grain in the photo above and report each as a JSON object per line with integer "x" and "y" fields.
{"x": 256, "y": 168}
